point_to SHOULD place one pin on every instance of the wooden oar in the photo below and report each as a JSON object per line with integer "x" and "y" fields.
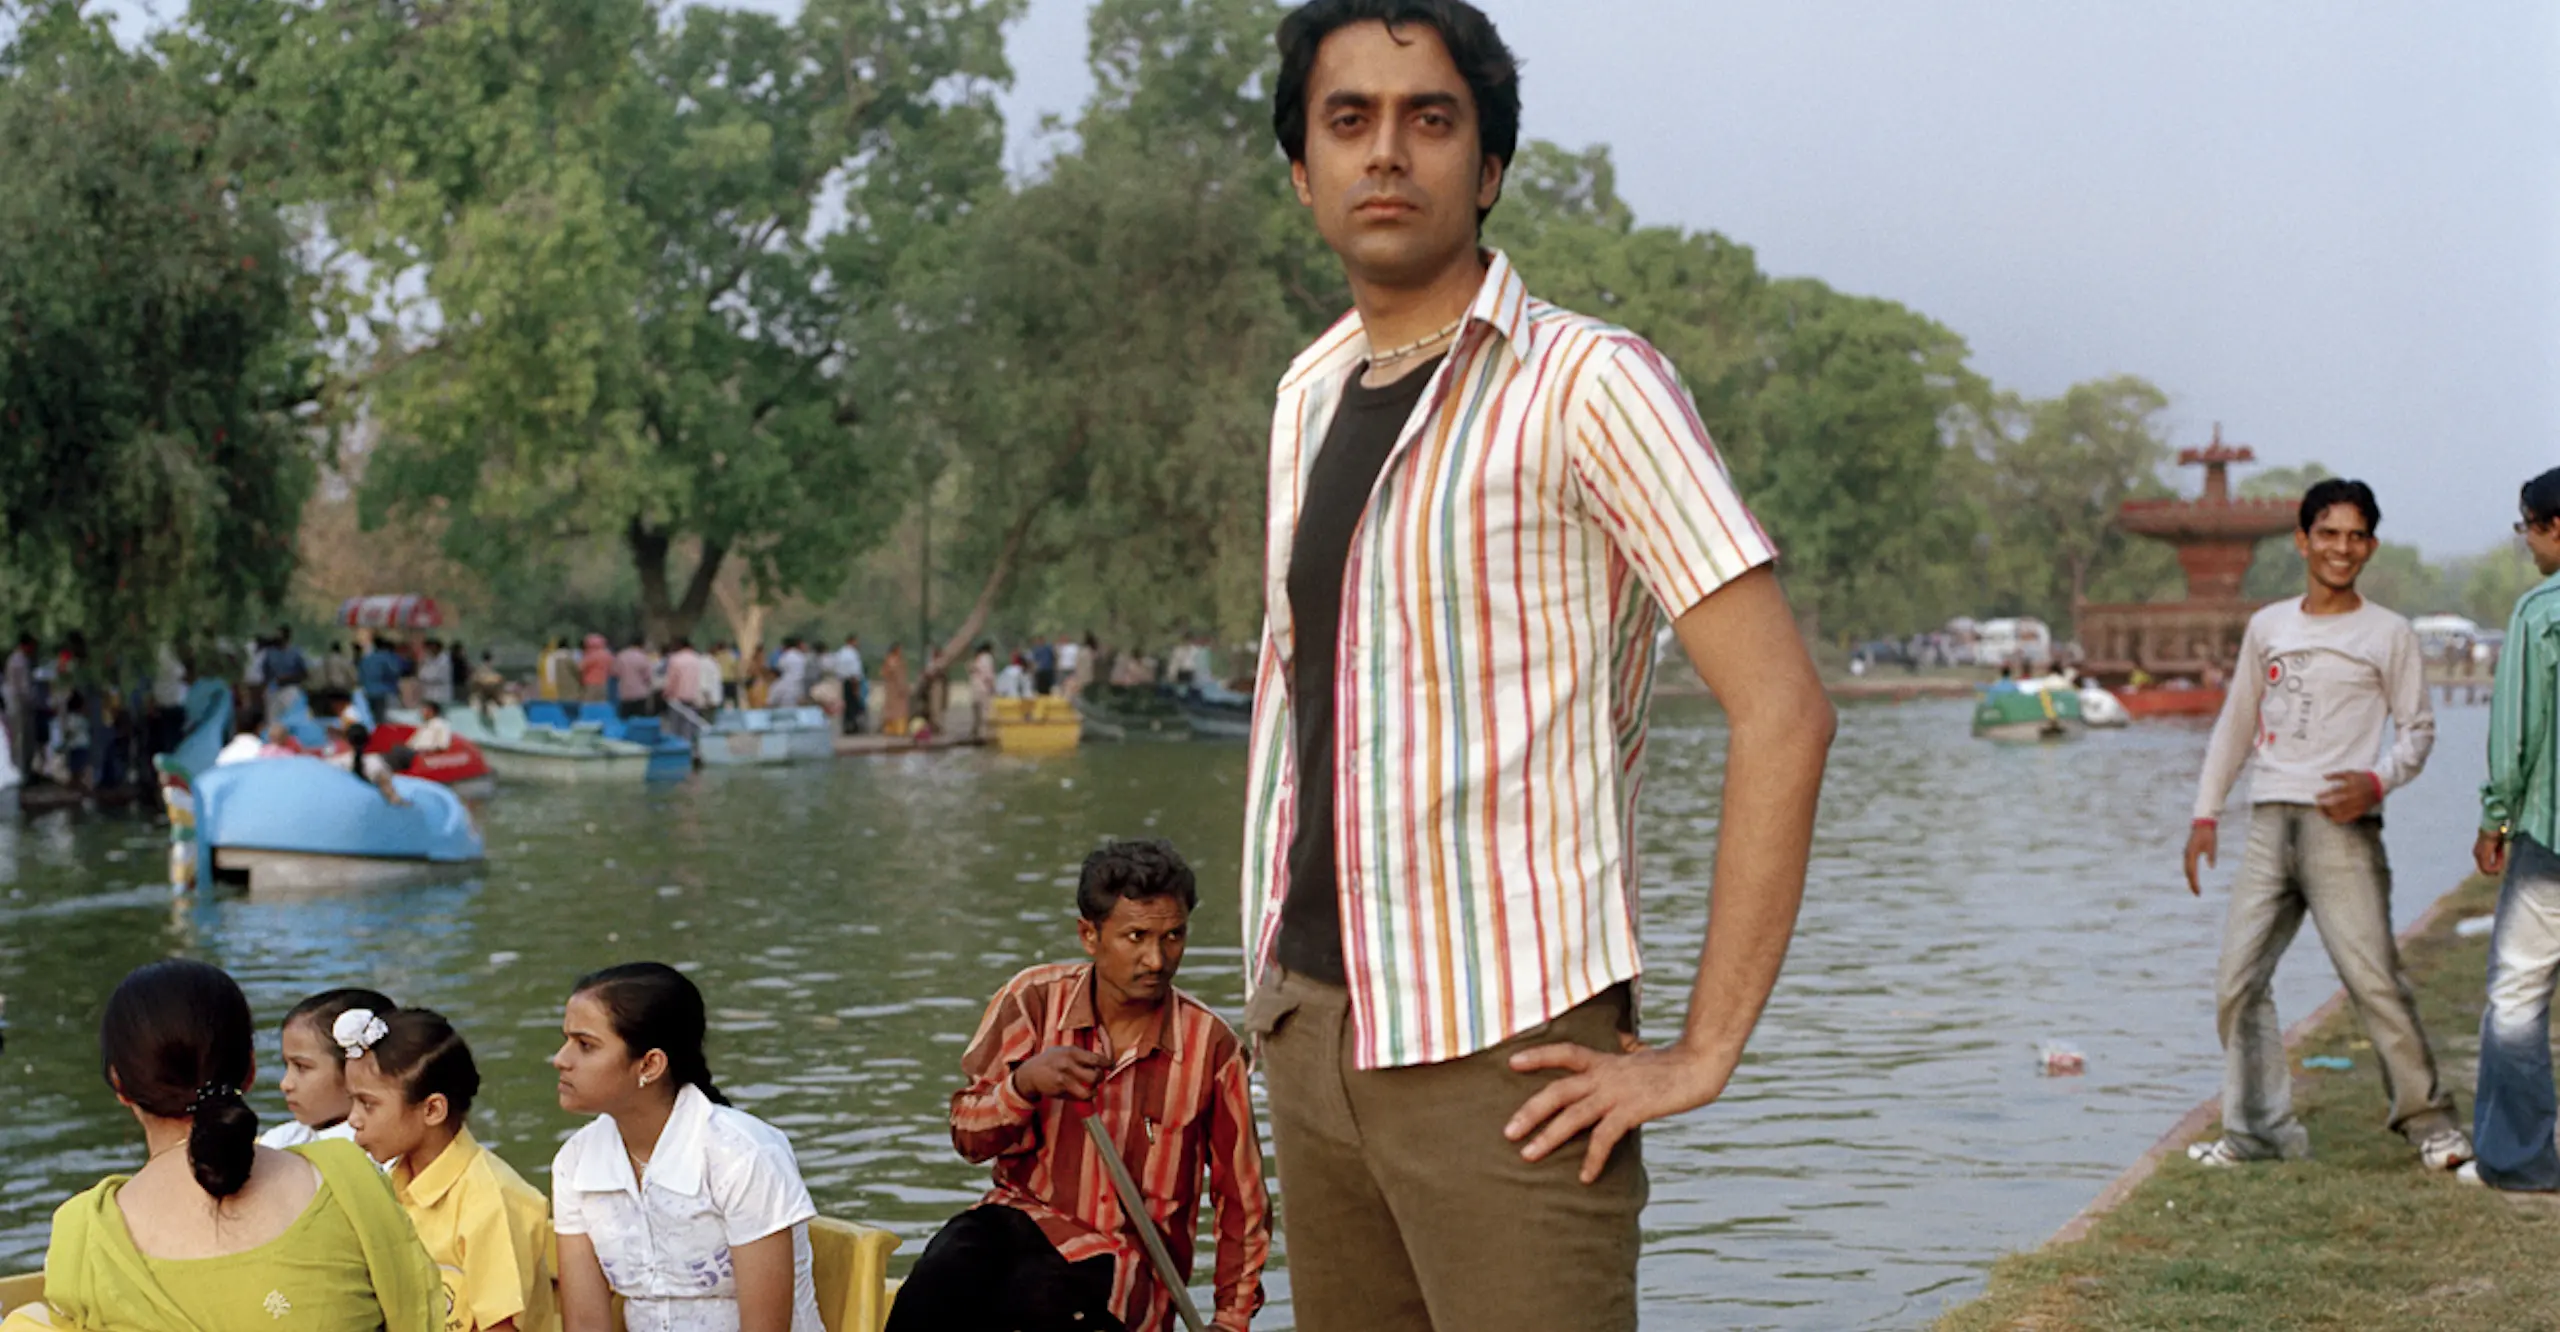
{"x": 1134, "y": 1204}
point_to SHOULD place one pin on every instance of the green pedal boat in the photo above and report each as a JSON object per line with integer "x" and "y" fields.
{"x": 2035, "y": 711}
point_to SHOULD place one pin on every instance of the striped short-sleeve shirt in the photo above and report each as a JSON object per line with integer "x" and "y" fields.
{"x": 1552, "y": 492}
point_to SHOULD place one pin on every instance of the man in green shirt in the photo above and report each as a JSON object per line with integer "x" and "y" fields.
{"x": 2514, "y": 1109}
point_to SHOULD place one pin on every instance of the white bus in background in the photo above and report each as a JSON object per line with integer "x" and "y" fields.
{"x": 2444, "y": 637}
{"x": 2024, "y": 640}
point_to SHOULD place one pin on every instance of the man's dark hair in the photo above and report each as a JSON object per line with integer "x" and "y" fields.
{"x": 1492, "y": 75}
{"x": 1136, "y": 872}
{"x": 2541, "y": 498}
{"x": 2326, "y": 495}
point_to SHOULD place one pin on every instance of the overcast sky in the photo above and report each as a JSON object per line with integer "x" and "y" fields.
{"x": 2331, "y": 225}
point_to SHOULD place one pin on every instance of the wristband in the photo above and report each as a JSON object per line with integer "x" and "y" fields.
{"x": 2378, "y": 792}
{"x": 2208, "y": 823}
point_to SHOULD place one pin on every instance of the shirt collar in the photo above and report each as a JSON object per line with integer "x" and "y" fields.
{"x": 676, "y": 1166}
{"x": 1084, "y": 1013}
{"x": 428, "y": 1187}
{"x": 1501, "y": 304}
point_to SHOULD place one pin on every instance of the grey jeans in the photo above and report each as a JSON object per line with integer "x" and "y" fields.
{"x": 2297, "y": 861}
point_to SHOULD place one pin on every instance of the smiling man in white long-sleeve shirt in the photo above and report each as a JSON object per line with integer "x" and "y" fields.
{"x": 2317, "y": 678}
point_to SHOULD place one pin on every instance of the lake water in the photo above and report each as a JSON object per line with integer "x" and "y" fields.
{"x": 1889, "y": 1137}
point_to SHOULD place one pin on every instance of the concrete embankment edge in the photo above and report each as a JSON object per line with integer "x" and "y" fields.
{"x": 2209, "y": 1111}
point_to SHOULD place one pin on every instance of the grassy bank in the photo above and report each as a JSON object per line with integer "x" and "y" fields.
{"x": 2358, "y": 1238}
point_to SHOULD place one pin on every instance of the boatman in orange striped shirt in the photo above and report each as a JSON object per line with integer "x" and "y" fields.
{"x": 1481, "y": 505}
{"x": 1051, "y": 1246}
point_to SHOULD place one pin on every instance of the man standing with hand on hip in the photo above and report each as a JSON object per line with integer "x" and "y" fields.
{"x": 1477, "y": 502}
{"x": 2318, "y": 676}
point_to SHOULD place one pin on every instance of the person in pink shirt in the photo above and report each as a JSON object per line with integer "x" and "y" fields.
{"x": 632, "y": 671}
{"x": 690, "y": 681}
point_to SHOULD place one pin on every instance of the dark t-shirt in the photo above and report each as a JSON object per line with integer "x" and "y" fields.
{"x": 1355, "y": 449}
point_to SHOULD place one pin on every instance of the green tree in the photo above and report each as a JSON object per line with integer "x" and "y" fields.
{"x": 152, "y": 353}
{"x": 1852, "y": 421}
{"x": 1092, "y": 358}
{"x": 2493, "y": 582}
{"x": 1833, "y": 411}
{"x": 2062, "y": 467}
{"x": 603, "y": 265}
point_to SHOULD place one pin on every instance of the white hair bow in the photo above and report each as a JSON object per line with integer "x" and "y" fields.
{"x": 356, "y": 1030}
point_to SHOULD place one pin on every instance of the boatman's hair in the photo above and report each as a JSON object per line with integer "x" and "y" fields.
{"x": 2541, "y": 498}
{"x": 1133, "y": 871}
{"x": 2325, "y": 495}
{"x": 1475, "y": 47}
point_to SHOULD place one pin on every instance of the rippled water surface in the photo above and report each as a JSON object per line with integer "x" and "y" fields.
{"x": 1888, "y": 1138}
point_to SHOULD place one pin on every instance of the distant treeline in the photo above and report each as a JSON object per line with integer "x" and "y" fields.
{"x": 685, "y": 310}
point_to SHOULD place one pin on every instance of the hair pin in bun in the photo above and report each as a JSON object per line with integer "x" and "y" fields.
{"x": 211, "y": 1094}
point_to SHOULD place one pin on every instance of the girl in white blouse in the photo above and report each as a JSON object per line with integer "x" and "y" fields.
{"x": 690, "y": 1210}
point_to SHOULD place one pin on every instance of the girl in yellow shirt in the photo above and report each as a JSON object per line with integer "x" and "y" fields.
{"x": 410, "y": 1080}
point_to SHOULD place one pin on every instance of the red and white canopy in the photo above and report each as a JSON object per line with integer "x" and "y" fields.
{"x": 391, "y": 611}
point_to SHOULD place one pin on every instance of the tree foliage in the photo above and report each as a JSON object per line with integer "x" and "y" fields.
{"x": 2061, "y": 468}
{"x": 152, "y": 353}
{"x": 1093, "y": 358}
{"x": 604, "y": 260}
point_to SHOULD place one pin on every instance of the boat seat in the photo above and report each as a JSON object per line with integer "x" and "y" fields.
{"x": 25, "y": 1288}
{"x": 546, "y": 714}
{"x": 848, "y": 1263}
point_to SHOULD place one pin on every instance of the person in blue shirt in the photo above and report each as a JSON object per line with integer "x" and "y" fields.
{"x": 1044, "y": 667}
{"x": 379, "y": 676}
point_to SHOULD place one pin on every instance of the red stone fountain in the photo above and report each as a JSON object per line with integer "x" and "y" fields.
{"x": 2190, "y": 643}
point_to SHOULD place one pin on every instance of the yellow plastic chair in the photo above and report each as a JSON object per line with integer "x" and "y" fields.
{"x": 28, "y": 1288}
{"x": 850, "y": 1266}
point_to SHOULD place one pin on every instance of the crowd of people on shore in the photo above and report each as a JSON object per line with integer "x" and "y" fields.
{"x": 69, "y": 725}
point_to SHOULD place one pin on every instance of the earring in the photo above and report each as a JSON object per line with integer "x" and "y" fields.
{"x": 644, "y": 1079}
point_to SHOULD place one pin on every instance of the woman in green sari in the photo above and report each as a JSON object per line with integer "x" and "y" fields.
{"x": 215, "y": 1233}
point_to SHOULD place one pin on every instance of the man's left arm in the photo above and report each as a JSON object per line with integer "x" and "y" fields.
{"x": 2351, "y": 795}
{"x": 2413, "y": 714}
{"x": 1652, "y": 479}
{"x": 1236, "y": 1191}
